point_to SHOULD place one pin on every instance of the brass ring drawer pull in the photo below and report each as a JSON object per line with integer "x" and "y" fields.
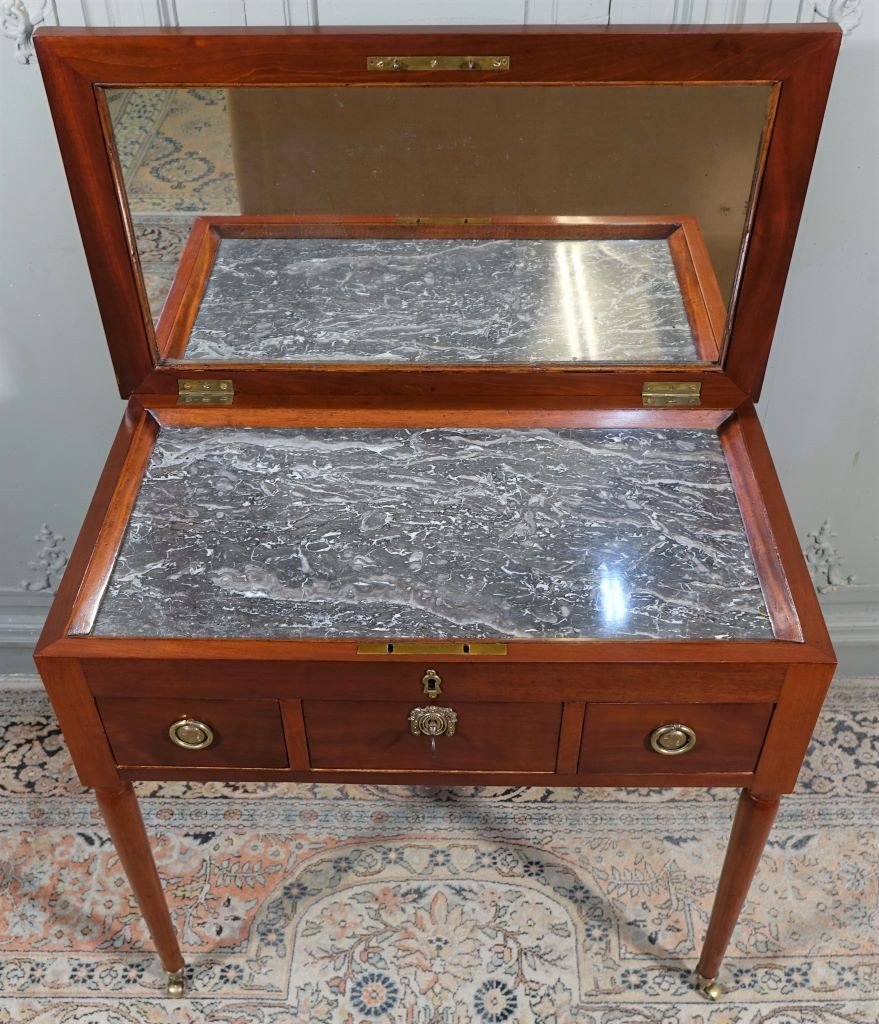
{"x": 673, "y": 739}
{"x": 432, "y": 722}
{"x": 191, "y": 734}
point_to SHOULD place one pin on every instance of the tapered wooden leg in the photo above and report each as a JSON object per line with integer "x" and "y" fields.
{"x": 751, "y": 828}
{"x": 122, "y": 814}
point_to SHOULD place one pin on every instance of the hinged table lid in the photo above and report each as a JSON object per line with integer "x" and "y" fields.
{"x": 554, "y": 211}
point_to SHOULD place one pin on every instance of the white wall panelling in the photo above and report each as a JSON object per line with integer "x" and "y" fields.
{"x": 820, "y": 406}
{"x": 16, "y": 14}
{"x": 567, "y": 12}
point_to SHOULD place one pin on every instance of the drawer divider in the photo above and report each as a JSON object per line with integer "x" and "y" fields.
{"x": 570, "y": 736}
{"x": 294, "y": 733}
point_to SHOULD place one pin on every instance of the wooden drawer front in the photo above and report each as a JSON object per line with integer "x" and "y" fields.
{"x": 488, "y": 737}
{"x": 616, "y": 737}
{"x": 247, "y": 733}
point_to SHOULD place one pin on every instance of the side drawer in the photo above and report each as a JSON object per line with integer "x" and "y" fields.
{"x": 725, "y": 737}
{"x": 240, "y": 733}
{"x": 377, "y": 735}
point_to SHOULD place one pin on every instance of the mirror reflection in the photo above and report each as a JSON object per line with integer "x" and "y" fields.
{"x": 236, "y": 177}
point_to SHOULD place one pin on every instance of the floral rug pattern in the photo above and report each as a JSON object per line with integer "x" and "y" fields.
{"x": 174, "y": 148}
{"x": 360, "y": 904}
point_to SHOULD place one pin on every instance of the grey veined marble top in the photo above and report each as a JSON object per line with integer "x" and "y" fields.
{"x": 442, "y": 301}
{"x": 440, "y": 533}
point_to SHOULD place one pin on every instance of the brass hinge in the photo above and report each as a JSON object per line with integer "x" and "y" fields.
{"x": 438, "y": 63}
{"x": 666, "y": 392}
{"x": 205, "y": 392}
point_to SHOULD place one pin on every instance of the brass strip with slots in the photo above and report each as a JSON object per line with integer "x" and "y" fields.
{"x": 438, "y": 63}
{"x": 437, "y": 647}
{"x": 443, "y": 220}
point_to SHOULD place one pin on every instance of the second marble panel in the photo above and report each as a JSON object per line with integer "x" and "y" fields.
{"x": 443, "y": 301}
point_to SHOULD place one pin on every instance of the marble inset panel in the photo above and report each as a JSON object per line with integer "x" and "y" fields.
{"x": 435, "y": 533}
{"x": 436, "y": 300}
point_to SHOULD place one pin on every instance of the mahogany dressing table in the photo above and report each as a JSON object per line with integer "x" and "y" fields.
{"x": 440, "y": 463}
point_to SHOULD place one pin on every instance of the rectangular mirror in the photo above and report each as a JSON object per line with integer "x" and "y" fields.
{"x": 324, "y": 224}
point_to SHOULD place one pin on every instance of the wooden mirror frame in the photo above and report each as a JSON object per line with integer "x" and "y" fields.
{"x": 798, "y": 61}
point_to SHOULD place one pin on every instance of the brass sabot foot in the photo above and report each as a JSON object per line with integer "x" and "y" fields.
{"x": 176, "y": 984}
{"x": 708, "y": 987}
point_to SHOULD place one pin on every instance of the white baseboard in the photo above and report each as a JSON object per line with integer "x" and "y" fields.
{"x": 852, "y": 614}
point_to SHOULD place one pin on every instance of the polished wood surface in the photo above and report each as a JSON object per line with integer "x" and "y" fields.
{"x": 534, "y": 386}
{"x": 561, "y": 714}
{"x": 728, "y": 737}
{"x": 122, "y": 815}
{"x": 489, "y": 737}
{"x": 444, "y": 779}
{"x": 248, "y": 732}
{"x": 492, "y": 678}
{"x": 548, "y": 713}
{"x": 798, "y": 60}
{"x": 753, "y": 822}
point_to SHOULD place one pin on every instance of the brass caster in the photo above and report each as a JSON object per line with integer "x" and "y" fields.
{"x": 176, "y": 984}
{"x": 708, "y": 987}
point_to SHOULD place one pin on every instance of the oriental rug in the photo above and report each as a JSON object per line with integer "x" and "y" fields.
{"x": 175, "y": 153}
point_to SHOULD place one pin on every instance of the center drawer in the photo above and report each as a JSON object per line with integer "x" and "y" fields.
{"x": 486, "y": 736}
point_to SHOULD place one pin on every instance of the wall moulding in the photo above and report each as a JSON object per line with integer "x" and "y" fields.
{"x": 50, "y": 563}
{"x": 19, "y": 18}
{"x": 846, "y": 13}
{"x": 825, "y": 561}
{"x": 18, "y": 21}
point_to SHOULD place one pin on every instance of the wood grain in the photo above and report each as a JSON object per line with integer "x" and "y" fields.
{"x": 294, "y": 733}
{"x": 184, "y": 296}
{"x": 616, "y": 737}
{"x": 80, "y": 722}
{"x": 522, "y": 716}
{"x": 753, "y": 822}
{"x": 488, "y": 737}
{"x": 494, "y": 679}
{"x": 377, "y": 777}
{"x": 790, "y": 731}
{"x": 75, "y": 63}
{"x": 122, "y": 815}
{"x": 573, "y": 715}
{"x": 247, "y": 732}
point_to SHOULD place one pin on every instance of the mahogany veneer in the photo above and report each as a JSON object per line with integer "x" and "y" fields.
{"x": 572, "y": 712}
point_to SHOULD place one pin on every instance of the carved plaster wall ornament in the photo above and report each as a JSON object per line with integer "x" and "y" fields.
{"x": 825, "y": 561}
{"x": 48, "y": 568}
{"x": 846, "y": 13}
{"x": 18, "y": 20}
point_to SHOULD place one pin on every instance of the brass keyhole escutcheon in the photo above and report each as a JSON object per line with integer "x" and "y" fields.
{"x": 191, "y": 734}
{"x": 433, "y": 685}
{"x": 432, "y": 722}
{"x": 673, "y": 739}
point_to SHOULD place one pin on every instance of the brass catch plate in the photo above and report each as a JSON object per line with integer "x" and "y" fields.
{"x": 448, "y": 221}
{"x": 664, "y": 393}
{"x": 437, "y": 647}
{"x": 205, "y": 392}
{"x": 438, "y": 63}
